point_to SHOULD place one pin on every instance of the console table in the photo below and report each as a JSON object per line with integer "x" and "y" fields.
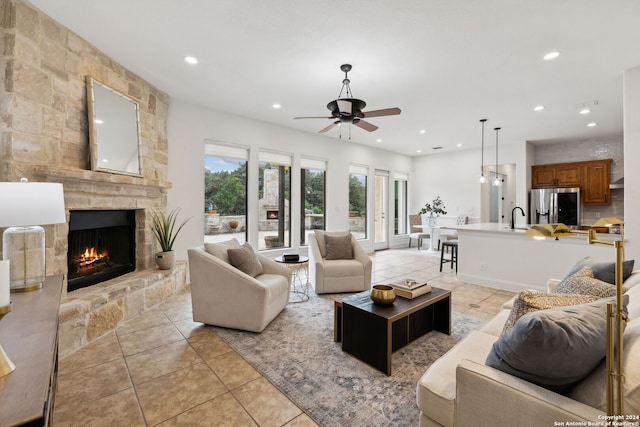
{"x": 29, "y": 336}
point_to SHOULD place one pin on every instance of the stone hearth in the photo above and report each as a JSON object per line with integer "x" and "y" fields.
{"x": 44, "y": 137}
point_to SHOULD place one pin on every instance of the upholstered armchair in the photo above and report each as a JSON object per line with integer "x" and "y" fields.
{"x": 337, "y": 263}
{"x": 223, "y": 295}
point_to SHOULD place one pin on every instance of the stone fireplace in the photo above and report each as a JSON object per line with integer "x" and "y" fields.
{"x": 44, "y": 137}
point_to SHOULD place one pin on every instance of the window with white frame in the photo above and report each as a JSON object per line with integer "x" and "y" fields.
{"x": 400, "y": 203}
{"x": 358, "y": 201}
{"x": 274, "y": 201}
{"x": 312, "y": 188}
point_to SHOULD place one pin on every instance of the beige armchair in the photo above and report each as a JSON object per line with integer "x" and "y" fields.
{"x": 222, "y": 295}
{"x": 330, "y": 275}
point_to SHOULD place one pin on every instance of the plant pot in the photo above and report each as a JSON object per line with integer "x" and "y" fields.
{"x": 432, "y": 220}
{"x": 166, "y": 260}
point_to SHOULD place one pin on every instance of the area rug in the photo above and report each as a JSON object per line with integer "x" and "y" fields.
{"x": 297, "y": 354}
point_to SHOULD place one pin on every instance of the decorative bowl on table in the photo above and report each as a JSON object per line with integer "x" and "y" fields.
{"x": 383, "y": 294}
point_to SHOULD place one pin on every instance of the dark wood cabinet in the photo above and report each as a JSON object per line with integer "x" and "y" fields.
{"x": 596, "y": 182}
{"x": 592, "y": 176}
{"x": 29, "y": 336}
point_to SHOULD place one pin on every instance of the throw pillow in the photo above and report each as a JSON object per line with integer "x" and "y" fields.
{"x": 245, "y": 260}
{"x": 603, "y": 270}
{"x": 339, "y": 247}
{"x": 584, "y": 283}
{"x": 529, "y": 300}
{"x": 219, "y": 249}
{"x": 554, "y": 348}
{"x": 320, "y": 239}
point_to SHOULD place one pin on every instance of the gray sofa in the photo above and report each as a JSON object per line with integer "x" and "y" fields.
{"x": 224, "y": 296}
{"x": 460, "y": 390}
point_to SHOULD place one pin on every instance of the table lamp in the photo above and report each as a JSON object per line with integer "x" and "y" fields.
{"x": 25, "y": 207}
{"x": 615, "y": 315}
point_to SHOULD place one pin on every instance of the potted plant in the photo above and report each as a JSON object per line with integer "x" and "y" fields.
{"x": 164, "y": 229}
{"x": 434, "y": 209}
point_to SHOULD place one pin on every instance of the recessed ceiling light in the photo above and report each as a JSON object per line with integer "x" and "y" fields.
{"x": 585, "y": 111}
{"x": 418, "y": 151}
{"x": 423, "y": 131}
{"x": 551, "y": 55}
{"x": 98, "y": 121}
{"x": 592, "y": 124}
{"x": 379, "y": 140}
{"x": 459, "y": 145}
{"x": 276, "y": 106}
{"x": 191, "y": 60}
{"x": 538, "y": 108}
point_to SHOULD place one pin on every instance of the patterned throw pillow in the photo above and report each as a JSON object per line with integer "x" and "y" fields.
{"x": 245, "y": 260}
{"x": 528, "y": 301}
{"x": 584, "y": 283}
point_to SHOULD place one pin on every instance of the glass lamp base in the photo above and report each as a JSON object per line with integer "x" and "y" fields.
{"x": 24, "y": 247}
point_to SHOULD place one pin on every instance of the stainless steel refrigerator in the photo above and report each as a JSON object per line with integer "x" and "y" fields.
{"x": 555, "y": 205}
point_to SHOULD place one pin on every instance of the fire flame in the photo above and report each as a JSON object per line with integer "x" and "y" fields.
{"x": 90, "y": 256}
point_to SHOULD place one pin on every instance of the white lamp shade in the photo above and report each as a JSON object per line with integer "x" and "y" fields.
{"x": 31, "y": 203}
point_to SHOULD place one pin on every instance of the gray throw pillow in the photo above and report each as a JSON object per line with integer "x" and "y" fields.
{"x": 219, "y": 249}
{"x": 528, "y": 301}
{"x": 603, "y": 270}
{"x": 554, "y": 348}
{"x": 339, "y": 247}
{"x": 584, "y": 283}
{"x": 320, "y": 239}
{"x": 245, "y": 260}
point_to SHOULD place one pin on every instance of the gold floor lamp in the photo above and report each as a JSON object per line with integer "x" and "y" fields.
{"x": 615, "y": 315}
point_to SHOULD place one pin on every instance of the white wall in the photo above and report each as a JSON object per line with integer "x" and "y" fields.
{"x": 631, "y": 128}
{"x": 454, "y": 177}
{"x": 188, "y": 128}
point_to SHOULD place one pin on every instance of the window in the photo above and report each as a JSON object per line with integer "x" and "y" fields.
{"x": 358, "y": 201}
{"x": 400, "y": 204}
{"x": 225, "y": 192}
{"x": 312, "y": 186}
{"x": 274, "y": 194}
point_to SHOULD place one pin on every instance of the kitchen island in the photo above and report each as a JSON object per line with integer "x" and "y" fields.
{"x": 492, "y": 254}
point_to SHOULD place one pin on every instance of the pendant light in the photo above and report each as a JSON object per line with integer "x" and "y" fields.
{"x": 483, "y": 178}
{"x": 496, "y": 181}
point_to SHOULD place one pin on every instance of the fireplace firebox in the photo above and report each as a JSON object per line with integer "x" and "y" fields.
{"x": 102, "y": 245}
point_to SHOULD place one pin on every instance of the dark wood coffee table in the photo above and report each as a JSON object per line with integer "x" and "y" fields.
{"x": 371, "y": 332}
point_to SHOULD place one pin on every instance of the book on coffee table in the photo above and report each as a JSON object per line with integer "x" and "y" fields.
{"x": 414, "y": 291}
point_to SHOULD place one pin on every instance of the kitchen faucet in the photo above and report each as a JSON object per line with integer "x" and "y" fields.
{"x": 513, "y": 221}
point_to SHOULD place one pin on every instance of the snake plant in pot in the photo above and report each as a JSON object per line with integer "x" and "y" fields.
{"x": 164, "y": 229}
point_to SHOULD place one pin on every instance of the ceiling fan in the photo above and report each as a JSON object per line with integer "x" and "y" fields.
{"x": 349, "y": 109}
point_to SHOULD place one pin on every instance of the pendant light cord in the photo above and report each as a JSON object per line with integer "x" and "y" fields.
{"x": 482, "y": 149}
{"x": 497, "y": 129}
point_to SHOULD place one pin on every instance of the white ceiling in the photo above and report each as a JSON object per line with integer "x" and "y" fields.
{"x": 445, "y": 63}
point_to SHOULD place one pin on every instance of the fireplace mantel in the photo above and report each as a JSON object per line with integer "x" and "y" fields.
{"x": 72, "y": 174}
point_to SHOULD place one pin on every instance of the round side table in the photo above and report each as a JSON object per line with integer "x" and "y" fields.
{"x": 300, "y": 287}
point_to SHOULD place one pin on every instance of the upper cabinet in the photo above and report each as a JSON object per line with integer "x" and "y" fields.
{"x": 596, "y": 182}
{"x": 593, "y": 176}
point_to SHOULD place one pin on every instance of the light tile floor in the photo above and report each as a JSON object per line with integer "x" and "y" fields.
{"x": 163, "y": 369}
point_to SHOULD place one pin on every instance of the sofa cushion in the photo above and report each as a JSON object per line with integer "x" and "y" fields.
{"x": 554, "y": 348}
{"x": 219, "y": 249}
{"x": 339, "y": 247}
{"x": 584, "y": 283}
{"x": 320, "y": 234}
{"x": 343, "y": 268}
{"x": 591, "y": 390}
{"x": 245, "y": 260}
{"x": 529, "y": 300}
{"x": 436, "y": 391}
{"x": 602, "y": 270}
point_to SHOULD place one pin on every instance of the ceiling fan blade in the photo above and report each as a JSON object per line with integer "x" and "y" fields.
{"x": 366, "y": 125}
{"x": 385, "y": 112}
{"x": 331, "y": 126}
{"x": 316, "y": 117}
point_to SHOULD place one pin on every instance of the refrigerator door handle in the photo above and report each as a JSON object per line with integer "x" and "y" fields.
{"x": 553, "y": 217}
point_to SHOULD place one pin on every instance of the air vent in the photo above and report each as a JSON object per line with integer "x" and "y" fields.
{"x": 437, "y": 148}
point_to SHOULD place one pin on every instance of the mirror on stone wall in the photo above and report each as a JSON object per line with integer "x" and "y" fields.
{"x": 114, "y": 130}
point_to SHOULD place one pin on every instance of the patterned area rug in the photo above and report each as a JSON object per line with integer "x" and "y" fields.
{"x": 296, "y": 352}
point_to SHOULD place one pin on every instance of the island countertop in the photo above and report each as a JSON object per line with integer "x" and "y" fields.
{"x": 492, "y": 254}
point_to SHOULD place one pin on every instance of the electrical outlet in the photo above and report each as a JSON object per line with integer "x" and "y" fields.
{"x": 597, "y": 214}
{"x": 483, "y": 267}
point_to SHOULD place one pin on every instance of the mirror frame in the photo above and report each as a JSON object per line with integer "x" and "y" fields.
{"x": 94, "y": 137}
